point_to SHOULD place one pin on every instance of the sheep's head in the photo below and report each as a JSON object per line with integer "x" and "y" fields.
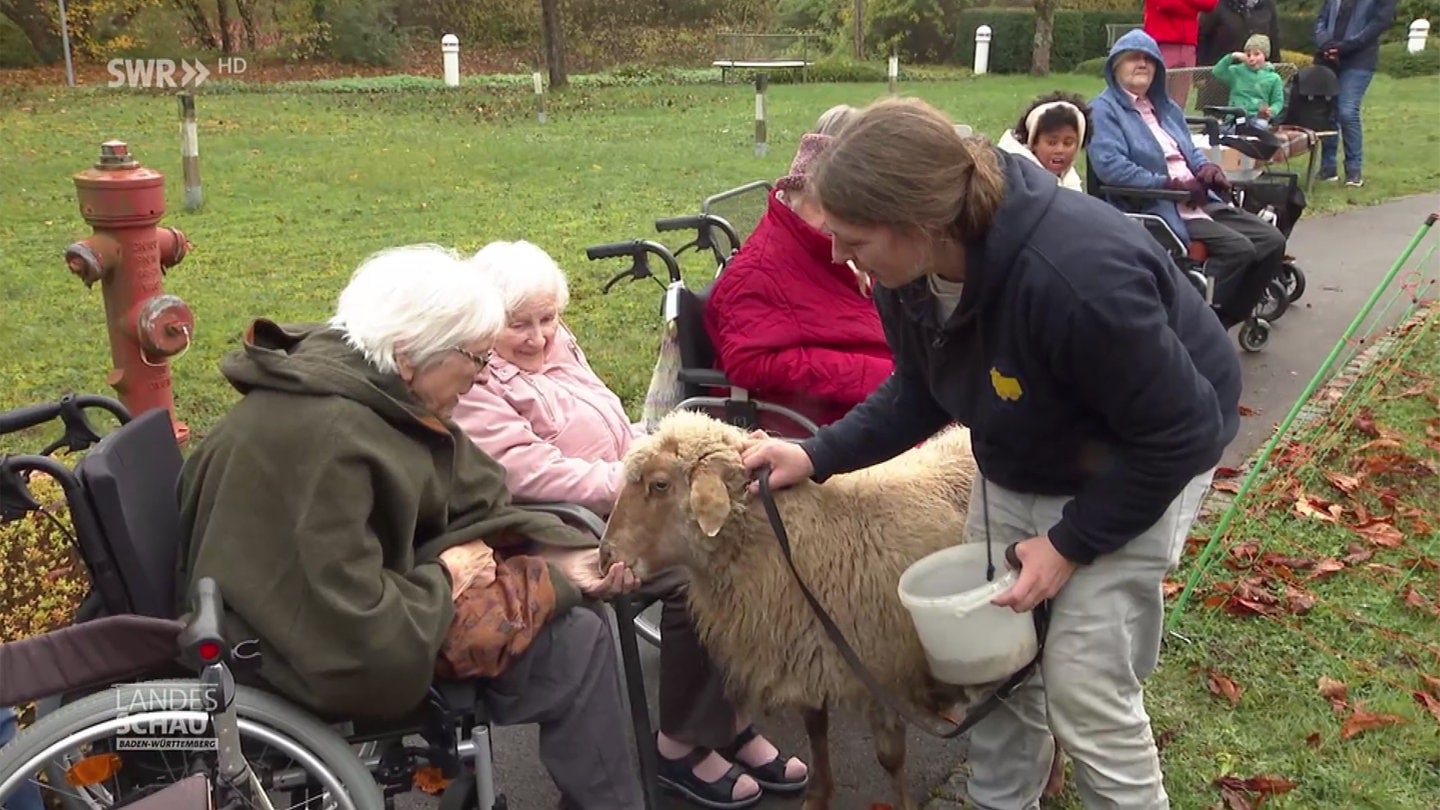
{"x": 681, "y": 485}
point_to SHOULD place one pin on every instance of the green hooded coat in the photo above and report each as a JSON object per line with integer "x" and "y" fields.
{"x": 320, "y": 504}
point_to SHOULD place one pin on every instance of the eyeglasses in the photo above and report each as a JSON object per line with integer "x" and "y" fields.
{"x": 480, "y": 362}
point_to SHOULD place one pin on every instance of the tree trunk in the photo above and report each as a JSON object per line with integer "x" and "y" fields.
{"x": 859, "y": 30}
{"x": 222, "y": 19}
{"x": 199, "y": 22}
{"x": 31, "y": 17}
{"x": 553, "y": 37}
{"x": 1044, "y": 36}
{"x": 246, "y": 8}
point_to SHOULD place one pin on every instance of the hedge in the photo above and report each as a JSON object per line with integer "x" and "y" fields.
{"x": 1080, "y": 36}
{"x": 1398, "y": 62}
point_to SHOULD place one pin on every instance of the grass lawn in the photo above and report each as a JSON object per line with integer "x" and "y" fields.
{"x": 300, "y": 187}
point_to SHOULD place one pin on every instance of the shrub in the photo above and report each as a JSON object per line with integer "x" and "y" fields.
{"x": 1079, "y": 35}
{"x": 1299, "y": 59}
{"x": 15, "y": 50}
{"x": 1092, "y": 67}
{"x": 363, "y": 32}
{"x": 1400, "y": 63}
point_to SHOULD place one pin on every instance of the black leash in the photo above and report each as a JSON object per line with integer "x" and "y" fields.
{"x": 927, "y": 724}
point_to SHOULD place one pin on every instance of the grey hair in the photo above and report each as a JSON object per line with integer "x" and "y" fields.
{"x": 523, "y": 273}
{"x": 415, "y": 302}
{"x": 834, "y": 119}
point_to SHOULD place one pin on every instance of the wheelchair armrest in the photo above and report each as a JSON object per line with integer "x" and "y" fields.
{"x": 573, "y": 514}
{"x": 708, "y": 377}
{"x": 1211, "y": 125}
{"x": 1222, "y": 113}
{"x": 1138, "y": 193}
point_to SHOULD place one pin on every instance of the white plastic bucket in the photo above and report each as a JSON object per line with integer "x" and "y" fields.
{"x": 967, "y": 640}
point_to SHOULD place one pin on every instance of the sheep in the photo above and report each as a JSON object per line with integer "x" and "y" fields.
{"x": 683, "y": 502}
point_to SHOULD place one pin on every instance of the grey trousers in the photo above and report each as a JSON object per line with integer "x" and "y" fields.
{"x": 569, "y": 683}
{"x": 1106, "y": 625}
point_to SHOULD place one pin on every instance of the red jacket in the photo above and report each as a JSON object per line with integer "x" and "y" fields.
{"x": 1175, "y": 22}
{"x": 791, "y": 326}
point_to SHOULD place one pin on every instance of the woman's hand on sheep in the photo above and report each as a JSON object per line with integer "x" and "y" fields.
{"x": 789, "y": 463}
{"x": 582, "y": 567}
{"x": 1043, "y": 572}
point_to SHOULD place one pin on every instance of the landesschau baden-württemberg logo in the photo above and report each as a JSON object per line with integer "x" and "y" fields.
{"x": 167, "y": 73}
{"x": 165, "y": 718}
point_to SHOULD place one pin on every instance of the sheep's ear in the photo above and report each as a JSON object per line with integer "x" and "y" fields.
{"x": 709, "y": 498}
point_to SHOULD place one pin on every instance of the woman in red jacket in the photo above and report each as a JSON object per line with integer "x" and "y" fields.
{"x": 789, "y": 324}
{"x": 1175, "y": 26}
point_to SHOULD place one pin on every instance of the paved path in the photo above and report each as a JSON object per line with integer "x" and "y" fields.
{"x": 1343, "y": 256}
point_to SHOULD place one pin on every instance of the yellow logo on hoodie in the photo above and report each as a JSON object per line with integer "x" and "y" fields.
{"x": 1007, "y": 388}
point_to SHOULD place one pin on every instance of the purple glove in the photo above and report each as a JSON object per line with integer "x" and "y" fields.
{"x": 1193, "y": 185}
{"x": 1213, "y": 177}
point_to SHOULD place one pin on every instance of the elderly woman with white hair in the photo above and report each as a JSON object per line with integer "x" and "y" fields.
{"x": 368, "y": 546}
{"x": 561, "y": 435}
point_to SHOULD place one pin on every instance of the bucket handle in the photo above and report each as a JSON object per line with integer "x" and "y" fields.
{"x": 949, "y": 728}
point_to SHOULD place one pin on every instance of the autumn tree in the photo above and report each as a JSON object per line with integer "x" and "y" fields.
{"x": 39, "y": 21}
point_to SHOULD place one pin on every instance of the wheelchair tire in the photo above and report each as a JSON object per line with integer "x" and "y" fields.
{"x": 1294, "y": 279}
{"x": 1254, "y": 335}
{"x": 254, "y": 709}
{"x": 1274, "y": 301}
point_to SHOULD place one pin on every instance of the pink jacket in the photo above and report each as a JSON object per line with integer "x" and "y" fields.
{"x": 559, "y": 433}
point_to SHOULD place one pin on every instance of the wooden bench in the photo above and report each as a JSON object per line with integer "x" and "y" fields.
{"x": 741, "y": 51}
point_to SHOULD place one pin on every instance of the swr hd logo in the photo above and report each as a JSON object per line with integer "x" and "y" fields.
{"x": 167, "y": 73}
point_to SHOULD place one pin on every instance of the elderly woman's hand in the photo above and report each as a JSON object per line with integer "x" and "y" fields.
{"x": 468, "y": 563}
{"x": 582, "y": 567}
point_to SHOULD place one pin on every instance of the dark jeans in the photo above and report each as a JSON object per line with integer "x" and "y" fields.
{"x": 1245, "y": 253}
{"x": 694, "y": 708}
{"x": 1353, "y": 84}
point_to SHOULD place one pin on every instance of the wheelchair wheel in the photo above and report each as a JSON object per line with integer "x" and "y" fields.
{"x": 304, "y": 755}
{"x": 1273, "y": 302}
{"x": 1254, "y": 334}
{"x": 647, "y": 627}
{"x": 1294, "y": 279}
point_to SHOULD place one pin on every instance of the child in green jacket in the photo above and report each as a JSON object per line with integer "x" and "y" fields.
{"x": 1254, "y": 85}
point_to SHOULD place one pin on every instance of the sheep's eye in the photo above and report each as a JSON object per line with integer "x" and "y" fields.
{"x": 659, "y": 485}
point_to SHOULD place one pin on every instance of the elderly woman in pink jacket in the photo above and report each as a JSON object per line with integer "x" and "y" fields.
{"x": 561, "y": 433}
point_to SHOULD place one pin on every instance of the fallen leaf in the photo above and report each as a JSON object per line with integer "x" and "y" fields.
{"x": 1334, "y": 691}
{"x": 1361, "y": 722}
{"x": 1235, "y": 799}
{"x": 430, "y": 780}
{"x": 1358, "y": 554}
{"x": 880, "y": 806}
{"x": 1389, "y": 444}
{"x": 1419, "y": 601}
{"x": 1365, "y": 423}
{"x": 1382, "y": 533}
{"x": 1222, "y": 685}
{"x": 1345, "y": 483}
{"x": 1313, "y": 739}
{"x": 1431, "y": 683}
{"x": 1226, "y": 472}
{"x": 1413, "y": 391}
{"x": 1232, "y": 487}
{"x": 1164, "y": 738}
{"x": 1246, "y": 410}
{"x": 1327, "y": 566}
{"x": 1235, "y": 790}
{"x": 1171, "y": 587}
{"x": 1430, "y": 703}
{"x": 1319, "y": 508}
{"x": 1274, "y": 559}
{"x": 1298, "y": 601}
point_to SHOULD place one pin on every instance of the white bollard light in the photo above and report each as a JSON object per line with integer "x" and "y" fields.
{"x": 1419, "y": 31}
{"x": 893, "y": 72}
{"x": 982, "y": 50}
{"x": 450, "y": 58}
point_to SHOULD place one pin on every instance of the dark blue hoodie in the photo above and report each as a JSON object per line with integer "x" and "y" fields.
{"x": 1081, "y": 359}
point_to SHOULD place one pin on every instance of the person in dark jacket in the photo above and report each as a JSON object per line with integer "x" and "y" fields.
{"x": 1227, "y": 28}
{"x": 366, "y": 543}
{"x": 1100, "y": 393}
{"x": 1347, "y": 38}
{"x": 1141, "y": 140}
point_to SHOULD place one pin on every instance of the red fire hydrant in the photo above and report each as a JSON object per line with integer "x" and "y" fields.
{"x": 128, "y": 255}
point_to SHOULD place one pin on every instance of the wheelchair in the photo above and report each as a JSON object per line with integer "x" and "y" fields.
{"x": 704, "y": 387}
{"x": 1191, "y": 257}
{"x": 129, "y": 663}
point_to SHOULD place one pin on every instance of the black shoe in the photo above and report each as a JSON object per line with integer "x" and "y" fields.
{"x": 771, "y": 775}
{"x": 678, "y": 775}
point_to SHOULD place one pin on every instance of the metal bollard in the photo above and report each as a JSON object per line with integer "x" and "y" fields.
{"x": 761, "y": 83}
{"x": 982, "y": 50}
{"x": 893, "y": 72}
{"x": 450, "y": 59}
{"x": 1419, "y": 32}
{"x": 190, "y": 153}
{"x": 539, "y": 96}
